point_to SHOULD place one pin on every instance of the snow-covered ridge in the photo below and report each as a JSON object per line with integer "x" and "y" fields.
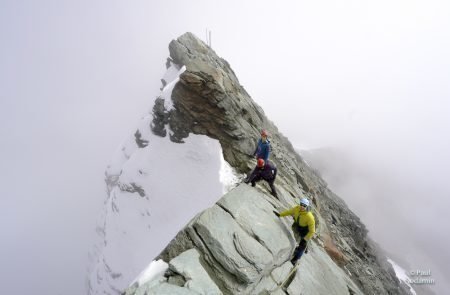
{"x": 128, "y": 146}
{"x": 154, "y": 186}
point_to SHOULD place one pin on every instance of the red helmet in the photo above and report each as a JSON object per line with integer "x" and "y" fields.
{"x": 260, "y": 163}
{"x": 264, "y": 133}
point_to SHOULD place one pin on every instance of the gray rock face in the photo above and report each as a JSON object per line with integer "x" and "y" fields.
{"x": 257, "y": 220}
{"x": 188, "y": 265}
{"x": 239, "y": 246}
{"x": 317, "y": 268}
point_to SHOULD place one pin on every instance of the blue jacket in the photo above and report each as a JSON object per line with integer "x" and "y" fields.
{"x": 262, "y": 150}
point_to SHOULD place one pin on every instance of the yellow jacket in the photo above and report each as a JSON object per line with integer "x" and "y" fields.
{"x": 304, "y": 218}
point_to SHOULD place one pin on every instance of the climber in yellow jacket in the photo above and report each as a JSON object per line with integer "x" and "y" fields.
{"x": 304, "y": 225}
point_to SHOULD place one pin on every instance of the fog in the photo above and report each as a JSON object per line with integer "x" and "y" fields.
{"x": 369, "y": 78}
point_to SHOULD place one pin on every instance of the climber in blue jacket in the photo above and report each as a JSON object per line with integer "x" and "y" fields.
{"x": 263, "y": 147}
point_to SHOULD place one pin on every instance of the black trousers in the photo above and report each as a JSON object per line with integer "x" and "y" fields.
{"x": 299, "y": 233}
{"x": 270, "y": 182}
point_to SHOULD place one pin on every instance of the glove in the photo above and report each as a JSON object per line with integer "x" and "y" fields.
{"x": 276, "y": 213}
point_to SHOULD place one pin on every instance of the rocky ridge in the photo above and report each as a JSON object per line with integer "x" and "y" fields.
{"x": 239, "y": 246}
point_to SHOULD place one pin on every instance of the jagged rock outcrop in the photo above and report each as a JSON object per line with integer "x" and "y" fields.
{"x": 160, "y": 118}
{"x": 239, "y": 246}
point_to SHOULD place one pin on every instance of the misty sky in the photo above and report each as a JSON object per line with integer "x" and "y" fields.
{"x": 371, "y": 77}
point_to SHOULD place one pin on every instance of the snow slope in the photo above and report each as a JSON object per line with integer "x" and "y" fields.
{"x": 152, "y": 192}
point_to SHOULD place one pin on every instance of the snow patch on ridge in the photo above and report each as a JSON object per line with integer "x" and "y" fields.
{"x": 154, "y": 269}
{"x": 402, "y": 275}
{"x": 228, "y": 176}
{"x": 171, "y": 77}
